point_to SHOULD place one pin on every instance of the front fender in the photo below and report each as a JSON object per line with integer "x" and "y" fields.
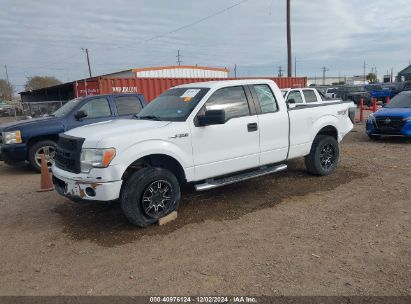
{"x": 163, "y": 147}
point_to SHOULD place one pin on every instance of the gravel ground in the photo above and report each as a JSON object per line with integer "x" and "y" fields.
{"x": 285, "y": 234}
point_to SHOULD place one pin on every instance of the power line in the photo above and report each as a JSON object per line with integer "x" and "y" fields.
{"x": 197, "y": 21}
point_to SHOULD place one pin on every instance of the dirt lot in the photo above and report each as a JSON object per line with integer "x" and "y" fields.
{"x": 286, "y": 234}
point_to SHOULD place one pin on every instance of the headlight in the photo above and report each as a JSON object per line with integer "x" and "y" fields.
{"x": 371, "y": 117}
{"x": 96, "y": 158}
{"x": 12, "y": 137}
{"x": 407, "y": 118}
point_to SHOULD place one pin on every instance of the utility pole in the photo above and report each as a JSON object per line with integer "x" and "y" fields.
{"x": 7, "y": 74}
{"x": 289, "y": 61}
{"x": 178, "y": 57}
{"x": 391, "y": 78}
{"x": 7, "y": 79}
{"x": 235, "y": 70}
{"x": 295, "y": 66}
{"x": 280, "y": 71}
{"x": 364, "y": 70}
{"x": 324, "y": 69}
{"x": 88, "y": 61}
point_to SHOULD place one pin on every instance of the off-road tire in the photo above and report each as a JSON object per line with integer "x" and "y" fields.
{"x": 134, "y": 188}
{"x": 32, "y": 153}
{"x": 313, "y": 161}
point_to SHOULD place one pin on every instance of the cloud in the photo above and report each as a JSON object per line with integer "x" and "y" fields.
{"x": 45, "y": 37}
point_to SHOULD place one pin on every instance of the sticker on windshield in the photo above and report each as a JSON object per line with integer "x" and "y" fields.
{"x": 190, "y": 93}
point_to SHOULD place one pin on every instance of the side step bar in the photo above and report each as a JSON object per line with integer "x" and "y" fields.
{"x": 214, "y": 183}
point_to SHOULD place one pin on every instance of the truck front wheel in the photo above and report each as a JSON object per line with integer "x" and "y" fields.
{"x": 324, "y": 155}
{"x": 46, "y": 147}
{"x": 149, "y": 194}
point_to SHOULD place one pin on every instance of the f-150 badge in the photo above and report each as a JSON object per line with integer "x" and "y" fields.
{"x": 180, "y": 135}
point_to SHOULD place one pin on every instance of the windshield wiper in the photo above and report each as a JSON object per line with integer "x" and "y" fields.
{"x": 153, "y": 117}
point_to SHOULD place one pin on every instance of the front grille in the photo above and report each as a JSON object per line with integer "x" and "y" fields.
{"x": 389, "y": 124}
{"x": 68, "y": 153}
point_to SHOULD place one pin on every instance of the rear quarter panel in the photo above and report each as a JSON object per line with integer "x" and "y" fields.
{"x": 306, "y": 122}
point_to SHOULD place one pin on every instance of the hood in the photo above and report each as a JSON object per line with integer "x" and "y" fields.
{"x": 27, "y": 123}
{"x": 400, "y": 112}
{"x": 93, "y": 133}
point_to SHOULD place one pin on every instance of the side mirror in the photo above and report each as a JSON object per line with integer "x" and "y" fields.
{"x": 291, "y": 100}
{"x": 80, "y": 114}
{"x": 212, "y": 117}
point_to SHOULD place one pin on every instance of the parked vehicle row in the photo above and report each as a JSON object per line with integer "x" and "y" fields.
{"x": 27, "y": 140}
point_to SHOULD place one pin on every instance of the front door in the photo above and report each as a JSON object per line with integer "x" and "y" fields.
{"x": 97, "y": 109}
{"x": 229, "y": 147}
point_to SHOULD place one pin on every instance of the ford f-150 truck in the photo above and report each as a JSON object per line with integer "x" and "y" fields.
{"x": 209, "y": 134}
{"x": 27, "y": 140}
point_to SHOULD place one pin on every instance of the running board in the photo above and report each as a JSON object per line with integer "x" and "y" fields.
{"x": 214, "y": 183}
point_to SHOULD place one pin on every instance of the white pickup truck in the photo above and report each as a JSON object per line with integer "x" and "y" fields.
{"x": 209, "y": 134}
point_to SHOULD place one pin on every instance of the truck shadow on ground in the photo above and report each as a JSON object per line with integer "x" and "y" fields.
{"x": 104, "y": 223}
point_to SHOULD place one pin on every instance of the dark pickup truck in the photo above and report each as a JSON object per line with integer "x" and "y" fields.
{"x": 27, "y": 140}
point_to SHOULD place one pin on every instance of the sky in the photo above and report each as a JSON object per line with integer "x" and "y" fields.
{"x": 47, "y": 37}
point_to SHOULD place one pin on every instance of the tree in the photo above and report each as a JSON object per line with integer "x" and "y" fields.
{"x": 39, "y": 82}
{"x": 371, "y": 77}
{"x": 6, "y": 90}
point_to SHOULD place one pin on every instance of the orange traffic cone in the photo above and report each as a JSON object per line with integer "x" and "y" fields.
{"x": 46, "y": 183}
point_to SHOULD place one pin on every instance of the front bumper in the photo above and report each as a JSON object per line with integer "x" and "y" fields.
{"x": 14, "y": 153}
{"x": 74, "y": 187}
{"x": 372, "y": 129}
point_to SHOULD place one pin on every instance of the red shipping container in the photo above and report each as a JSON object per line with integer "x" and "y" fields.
{"x": 153, "y": 87}
{"x": 86, "y": 87}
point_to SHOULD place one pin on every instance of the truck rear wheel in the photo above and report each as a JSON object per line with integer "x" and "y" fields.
{"x": 324, "y": 155}
{"x": 148, "y": 195}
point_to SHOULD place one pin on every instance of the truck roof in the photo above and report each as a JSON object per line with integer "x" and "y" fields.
{"x": 224, "y": 83}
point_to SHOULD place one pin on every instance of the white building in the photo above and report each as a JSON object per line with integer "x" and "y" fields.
{"x": 183, "y": 71}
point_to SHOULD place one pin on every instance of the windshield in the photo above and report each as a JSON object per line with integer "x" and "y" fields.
{"x": 400, "y": 101}
{"x": 64, "y": 110}
{"x": 173, "y": 105}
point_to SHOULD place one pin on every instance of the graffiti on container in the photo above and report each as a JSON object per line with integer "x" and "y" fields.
{"x": 124, "y": 89}
{"x": 82, "y": 92}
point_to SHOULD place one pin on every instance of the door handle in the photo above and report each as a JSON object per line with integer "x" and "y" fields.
{"x": 252, "y": 127}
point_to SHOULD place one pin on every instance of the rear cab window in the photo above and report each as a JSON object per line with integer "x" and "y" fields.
{"x": 310, "y": 96}
{"x": 296, "y": 95}
{"x": 127, "y": 105}
{"x": 266, "y": 98}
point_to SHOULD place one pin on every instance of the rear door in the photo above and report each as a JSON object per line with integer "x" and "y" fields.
{"x": 127, "y": 106}
{"x": 273, "y": 125}
{"x": 229, "y": 147}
